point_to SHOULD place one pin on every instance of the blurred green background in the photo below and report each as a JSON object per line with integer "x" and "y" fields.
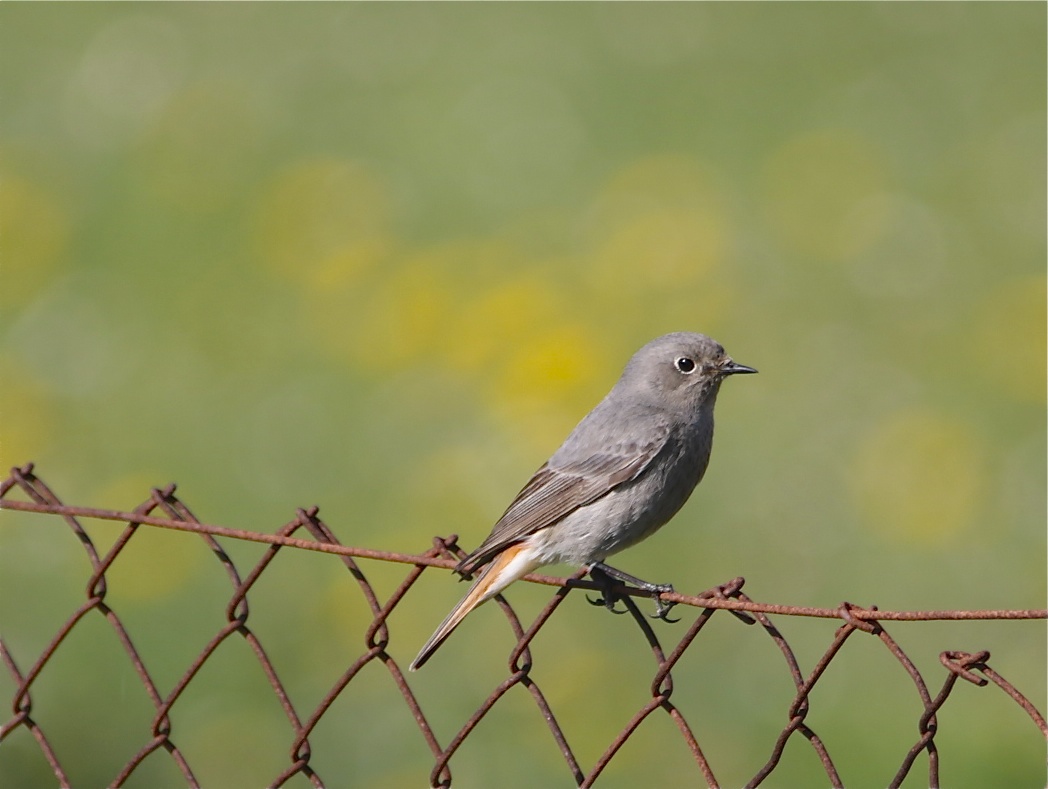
{"x": 381, "y": 258}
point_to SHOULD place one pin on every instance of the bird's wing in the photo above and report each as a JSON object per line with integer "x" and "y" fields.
{"x": 555, "y": 491}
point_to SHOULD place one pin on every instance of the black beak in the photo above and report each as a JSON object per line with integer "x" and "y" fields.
{"x": 732, "y": 368}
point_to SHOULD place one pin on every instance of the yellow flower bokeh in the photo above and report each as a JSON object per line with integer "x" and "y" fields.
{"x": 34, "y": 234}
{"x": 812, "y": 185}
{"x": 658, "y": 234}
{"x": 657, "y": 222}
{"x": 1014, "y": 308}
{"x": 917, "y": 478}
{"x": 545, "y": 383}
{"x": 27, "y": 416}
{"x": 398, "y": 321}
{"x": 322, "y": 221}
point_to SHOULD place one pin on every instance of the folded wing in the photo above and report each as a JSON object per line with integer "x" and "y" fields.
{"x": 556, "y": 491}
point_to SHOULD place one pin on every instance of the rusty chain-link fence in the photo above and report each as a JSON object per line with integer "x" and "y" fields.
{"x": 25, "y": 492}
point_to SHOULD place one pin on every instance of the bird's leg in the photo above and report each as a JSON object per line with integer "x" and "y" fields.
{"x": 603, "y": 573}
{"x": 609, "y": 597}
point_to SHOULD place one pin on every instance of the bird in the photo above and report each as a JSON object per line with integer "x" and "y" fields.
{"x": 621, "y": 474}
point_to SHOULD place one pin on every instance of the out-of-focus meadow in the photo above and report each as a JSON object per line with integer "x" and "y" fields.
{"x": 381, "y": 258}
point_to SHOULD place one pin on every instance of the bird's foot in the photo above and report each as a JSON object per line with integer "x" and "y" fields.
{"x": 603, "y": 575}
{"x": 608, "y": 597}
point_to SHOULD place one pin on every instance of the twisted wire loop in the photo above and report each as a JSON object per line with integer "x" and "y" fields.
{"x": 306, "y": 531}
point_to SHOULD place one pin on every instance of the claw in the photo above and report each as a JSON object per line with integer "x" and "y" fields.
{"x": 608, "y": 601}
{"x": 608, "y": 598}
{"x": 662, "y": 609}
{"x": 603, "y": 574}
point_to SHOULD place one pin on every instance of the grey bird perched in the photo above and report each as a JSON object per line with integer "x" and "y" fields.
{"x": 624, "y": 471}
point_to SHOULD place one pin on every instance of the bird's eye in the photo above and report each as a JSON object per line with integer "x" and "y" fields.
{"x": 685, "y": 365}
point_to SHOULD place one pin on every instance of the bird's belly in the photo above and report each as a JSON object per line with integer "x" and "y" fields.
{"x": 620, "y": 519}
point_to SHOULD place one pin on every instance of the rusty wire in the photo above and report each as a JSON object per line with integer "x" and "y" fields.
{"x": 173, "y": 514}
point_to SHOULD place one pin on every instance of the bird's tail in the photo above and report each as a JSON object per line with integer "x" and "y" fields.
{"x": 513, "y": 563}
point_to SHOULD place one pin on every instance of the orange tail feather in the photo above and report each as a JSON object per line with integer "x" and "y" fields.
{"x": 513, "y": 563}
